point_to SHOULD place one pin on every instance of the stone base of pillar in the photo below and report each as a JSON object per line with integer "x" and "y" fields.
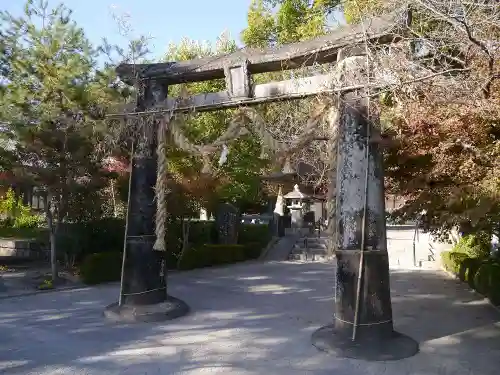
{"x": 369, "y": 348}
{"x": 172, "y": 308}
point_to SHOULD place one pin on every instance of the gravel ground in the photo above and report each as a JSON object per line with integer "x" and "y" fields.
{"x": 246, "y": 319}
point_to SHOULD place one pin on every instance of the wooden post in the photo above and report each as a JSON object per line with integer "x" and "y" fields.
{"x": 362, "y": 295}
{"x": 144, "y": 290}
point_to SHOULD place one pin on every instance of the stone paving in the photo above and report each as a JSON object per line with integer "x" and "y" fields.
{"x": 246, "y": 319}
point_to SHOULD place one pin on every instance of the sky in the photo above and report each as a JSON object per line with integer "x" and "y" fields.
{"x": 165, "y": 21}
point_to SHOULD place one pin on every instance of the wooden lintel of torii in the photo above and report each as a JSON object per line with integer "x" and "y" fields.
{"x": 237, "y": 68}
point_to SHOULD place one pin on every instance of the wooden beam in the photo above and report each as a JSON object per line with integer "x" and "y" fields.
{"x": 267, "y": 92}
{"x": 290, "y": 56}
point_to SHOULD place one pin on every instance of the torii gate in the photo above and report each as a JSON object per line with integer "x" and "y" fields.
{"x": 363, "y": 325}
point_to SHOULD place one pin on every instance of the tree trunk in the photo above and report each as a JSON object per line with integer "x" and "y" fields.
{"x": 113, "y": 198}
{"x": 52, "y": 238}
{"x": 53, "y": 257}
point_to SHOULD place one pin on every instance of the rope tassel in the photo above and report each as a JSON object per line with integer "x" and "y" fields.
{"x": 161, "y": 186}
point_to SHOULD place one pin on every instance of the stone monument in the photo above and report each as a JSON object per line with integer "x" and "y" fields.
{"x": 227, "y": 223}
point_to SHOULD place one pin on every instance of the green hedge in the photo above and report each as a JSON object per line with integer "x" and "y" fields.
{"x": 251, "y": 233}
{"x": 253, "y": 237}
{"x": 208, "y": 255}
{"x": 452, "y": 261}
{"x": 107, "y": 236}
{"x": 461, "y": 265}
{"x": 106, "y": 266}
{"x": 101, "y": 267}
{"x": 22, "y": 233}
{"x": 487, "y": 281}
{"x": 253, "y": 250}
{"x": 481, "y": 274}
{"x": 81, "y": 239}
{"x": 475, "y": 245}
{"x": 211, "y": 255}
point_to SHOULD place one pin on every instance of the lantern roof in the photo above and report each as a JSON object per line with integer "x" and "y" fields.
{"x": 295, "y": 193}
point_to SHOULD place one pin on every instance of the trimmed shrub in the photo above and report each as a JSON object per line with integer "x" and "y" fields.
{"x": 202, "y": 232}
{"x": 23, "y": 233}
{"x": 255, "y": 238}
{"x": 475, "y": 245}
{"x": 482, "y": 279}
{"x": 493, "y": 292}
{"x": 82, "y": 239}
{"x": 211, "y": 255}
{"x": 253, "y": 249}
{"x": 482, "y": 275}
{"x": 252, "y": 233}
{"x": 446, "y": 261}
{"x": 452, "y": 261}
{"x": 193, "y": 258}
{"x": 106, "y": 236}
{"x": 487, "y": 281}
{"x": 101, "y": 267}
{"x": 461, "y": 265}
{"x": 106, "y": 266}
{"x": 252, "y": 238}
{"x": 470, "y": 266}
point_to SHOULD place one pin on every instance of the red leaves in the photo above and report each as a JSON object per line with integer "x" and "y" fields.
{"x": 113, "y": 164}
{"x": 445, "y": 158}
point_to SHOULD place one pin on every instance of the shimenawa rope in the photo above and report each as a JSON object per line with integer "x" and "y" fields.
{"x": 161, "y": 185}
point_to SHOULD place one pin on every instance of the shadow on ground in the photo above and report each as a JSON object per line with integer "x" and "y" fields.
{"x": 246, "y": 319}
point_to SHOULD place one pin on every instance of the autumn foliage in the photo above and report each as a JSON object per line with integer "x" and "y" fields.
{"x": 448, "y": 162}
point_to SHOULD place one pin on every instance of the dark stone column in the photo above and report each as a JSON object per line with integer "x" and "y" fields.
{"x": 144, "y": 274}
{"x": 144, "y": 279}
{"x": 375, "y": 313}
{"x": 144, "y": 289}
{"x": 375, "y": 338}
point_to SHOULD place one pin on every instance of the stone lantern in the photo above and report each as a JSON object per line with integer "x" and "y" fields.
{"x": 296, "y": 206}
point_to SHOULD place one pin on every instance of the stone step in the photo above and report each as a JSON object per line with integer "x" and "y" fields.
{"x": 316, "y": 249}
{"x": 302, "y": 248}
{"x": 315, "y": 252}
{"x": 311, "y": 243}
{"x": 308, "y": 257}
{"x": 315, "y": 239}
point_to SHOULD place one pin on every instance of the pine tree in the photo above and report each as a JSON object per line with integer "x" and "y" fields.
{"x": 51, "y": 105}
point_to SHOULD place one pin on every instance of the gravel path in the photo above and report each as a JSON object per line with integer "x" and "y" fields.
{"x": 246, "y": 319}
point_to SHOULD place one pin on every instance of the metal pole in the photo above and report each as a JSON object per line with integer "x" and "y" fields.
{"x": 124, "y": 257}
{"x": 416, "y": 238}
{"x": 414, "y": 245}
